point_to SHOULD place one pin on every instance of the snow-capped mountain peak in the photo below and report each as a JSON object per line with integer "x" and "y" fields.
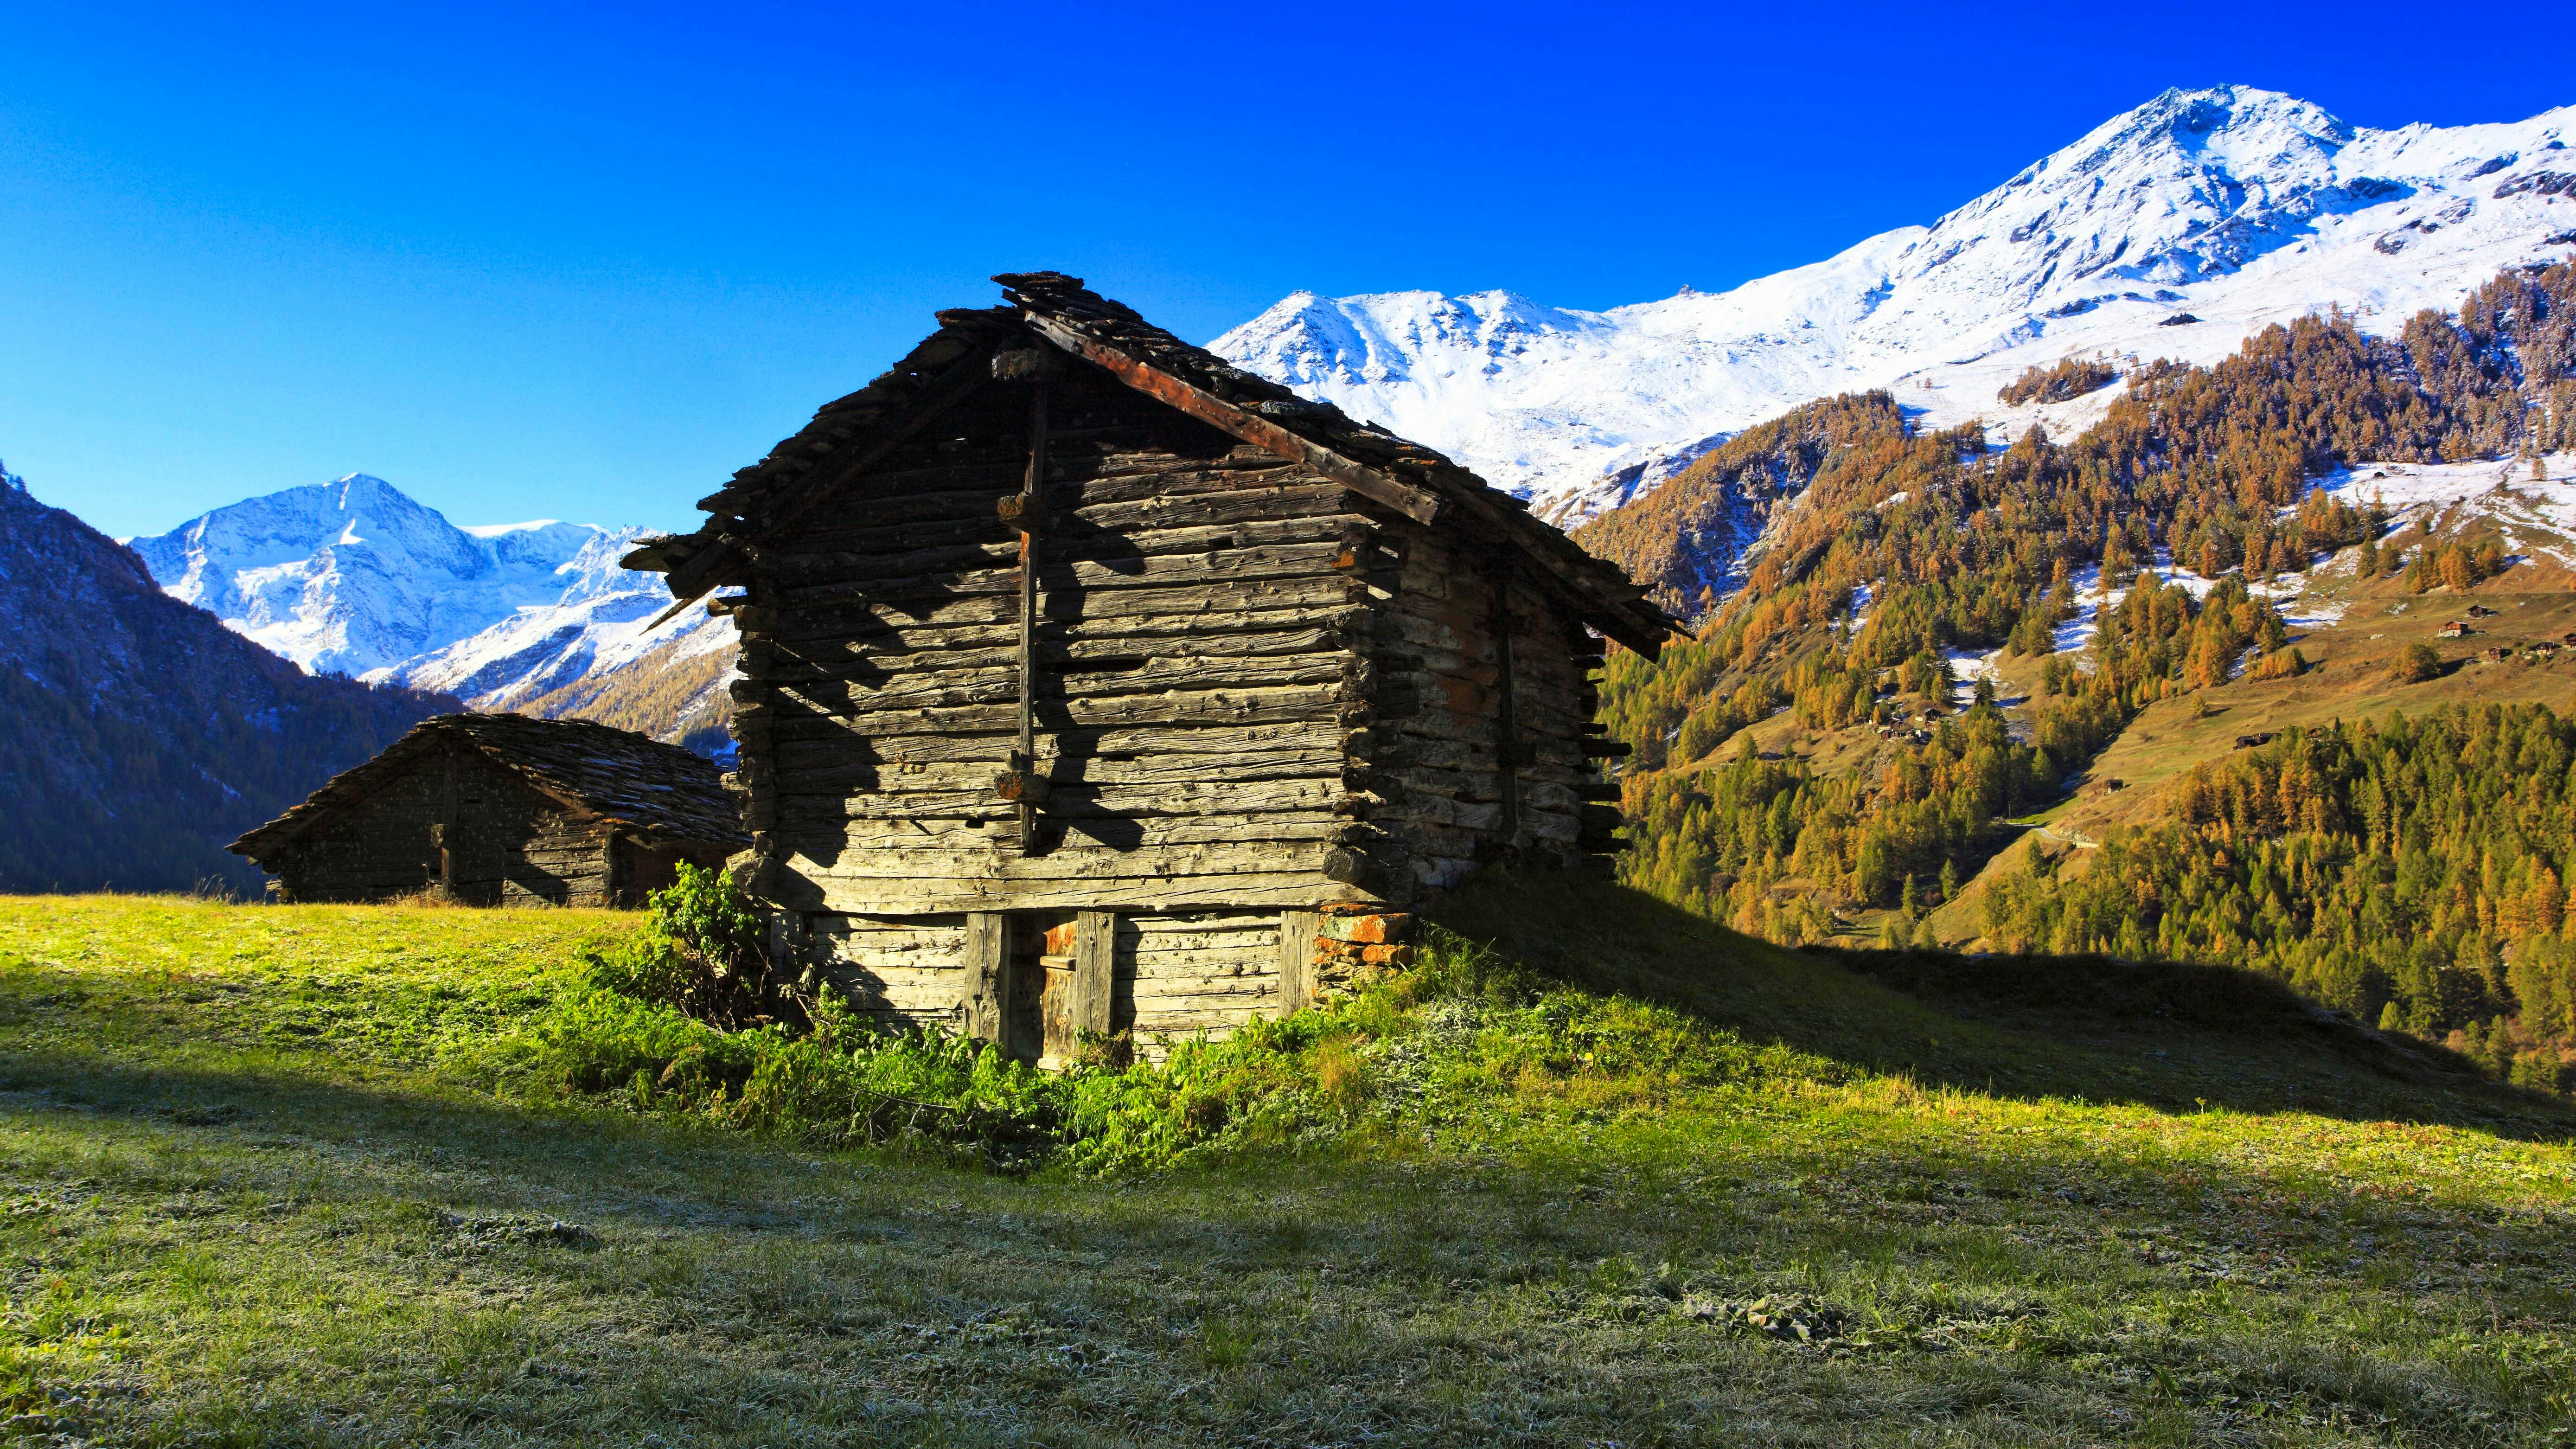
{"x": 2174, "y": 229}
{"x": 355, "y": 576}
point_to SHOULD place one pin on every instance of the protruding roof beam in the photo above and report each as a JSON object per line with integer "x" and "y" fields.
{"x": 1415, "y": 503}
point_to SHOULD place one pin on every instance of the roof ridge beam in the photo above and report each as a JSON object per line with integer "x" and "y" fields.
{"x": 1420, "y": 505}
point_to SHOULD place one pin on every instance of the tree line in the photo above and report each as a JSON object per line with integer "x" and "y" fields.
{"x": 2410, "y": 871}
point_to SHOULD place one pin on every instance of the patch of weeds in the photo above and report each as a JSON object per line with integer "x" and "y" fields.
{"x": 509, "y": 1231}
{"x": 1786, "y": 1317}
{"x": 1224, "y": 1342}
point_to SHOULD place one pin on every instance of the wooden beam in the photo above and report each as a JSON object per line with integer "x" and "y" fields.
{"x": 1568, "y": 579}
{"x": 1507, "y": 726}
{"x": 1095, "y": 940}
{"x": 1297, "y": 932}
{"x": 1031, "y": 501}
{"x": 443, "y": 832}
{"x": 1420, "y": 505}
{"x": 986, "y": 997}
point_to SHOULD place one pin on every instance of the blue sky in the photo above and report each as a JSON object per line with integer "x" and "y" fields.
{"x": 584, "y": 262}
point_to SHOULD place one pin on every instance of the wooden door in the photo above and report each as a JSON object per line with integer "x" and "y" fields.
{"x": 1076, "y": 964}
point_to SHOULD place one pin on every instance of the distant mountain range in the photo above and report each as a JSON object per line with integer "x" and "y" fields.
{"x": 356, "y": 577}
{"x": 2175, "y": 229}
{"x": 142, "y": 735}
{"x": 2172, "y": 230}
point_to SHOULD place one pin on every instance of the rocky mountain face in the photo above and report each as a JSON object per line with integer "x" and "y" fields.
{"x": 356, "y": 577}
{"x": 2174, "y": 230}
{"x": 144, "y": 735}
{"x": 353, "y": 576}
{"x": 1697, "y": 541}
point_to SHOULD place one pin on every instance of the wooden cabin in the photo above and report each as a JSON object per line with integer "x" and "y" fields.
{"x": 1094, "y": 687}
{"x": 503, "y": 810}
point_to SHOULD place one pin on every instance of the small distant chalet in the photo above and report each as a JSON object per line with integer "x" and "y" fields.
{"x": 499, "y": 809}
{"x": 2454, "y": 629}
{"x": 1089, "y": 681}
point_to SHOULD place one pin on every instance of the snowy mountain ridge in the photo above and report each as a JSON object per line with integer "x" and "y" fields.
{"x": 356, "y": 577}
{"x": 2175, "y": 229}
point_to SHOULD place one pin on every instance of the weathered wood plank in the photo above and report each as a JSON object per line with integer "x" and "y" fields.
{"x": 812, "y": 769}
{"x": 1276, "y": 889}
{"x": 1072, "y": 641}
{"x": 806, "y": 562}
{"x": 1262, "y": 562}
{"x": 1421, "y": 505}
{"x": 986, "y": 992}
{"x": 1296, "y": 951}
{"x": 828, "y": 740}
{"x": 1083, "y": 800}
{"x": 1179, "y": 707}
{"x": 915, "y": 689}
{"x": 1095, "y": 939}
{"x": 966, "y": 515}
{"x": 820, "y": 838}
{"x": 1222, "y": 600}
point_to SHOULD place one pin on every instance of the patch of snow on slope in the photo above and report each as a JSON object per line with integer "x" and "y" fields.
{"x": 2537, "y": 516}
{"x": 2091, "y": 598}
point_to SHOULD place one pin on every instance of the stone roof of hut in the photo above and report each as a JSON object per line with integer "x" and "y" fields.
{"x": 663, "y": 794}
{"x": 849, "y": 434}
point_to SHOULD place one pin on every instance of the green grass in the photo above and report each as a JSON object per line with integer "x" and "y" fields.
{"x": 271, "y": 1177}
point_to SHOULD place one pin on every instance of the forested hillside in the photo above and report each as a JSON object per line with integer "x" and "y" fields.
{"x": 143, "y": 735}
{"x": 1906, "y": 552}
{"x": 2410, "y": 871}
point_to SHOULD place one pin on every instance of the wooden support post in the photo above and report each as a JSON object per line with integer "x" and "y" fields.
{"x": 608, "y": 870}
{"x": 1507, "y": 729}
{"x": 1032, "y": 501}
{"x": 443, "y": 833}
{"x": 1297, "y": 932}
{"x": 1095, "y": 942}
{"x": 987, "y": 994}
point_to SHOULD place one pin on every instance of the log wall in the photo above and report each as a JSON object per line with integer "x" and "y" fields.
{"x": 1257, "y": 695}
{"x": 1442, "y": 726}
{"x": 510, "y": 844}
{"x": 1174, "y": 975}
{"x": 1200, "y": 655}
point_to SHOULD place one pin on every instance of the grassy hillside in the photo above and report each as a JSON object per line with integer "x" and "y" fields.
{"x": 317, "y": 1175}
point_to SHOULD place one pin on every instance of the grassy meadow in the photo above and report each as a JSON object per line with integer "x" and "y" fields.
{"x": 339, "y": 1176}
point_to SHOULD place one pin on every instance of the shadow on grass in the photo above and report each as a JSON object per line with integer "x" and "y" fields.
{"x": 2157, "y": 1034}
{"x": 777, "y": 1300}
{"x": 268, "y": 1098}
